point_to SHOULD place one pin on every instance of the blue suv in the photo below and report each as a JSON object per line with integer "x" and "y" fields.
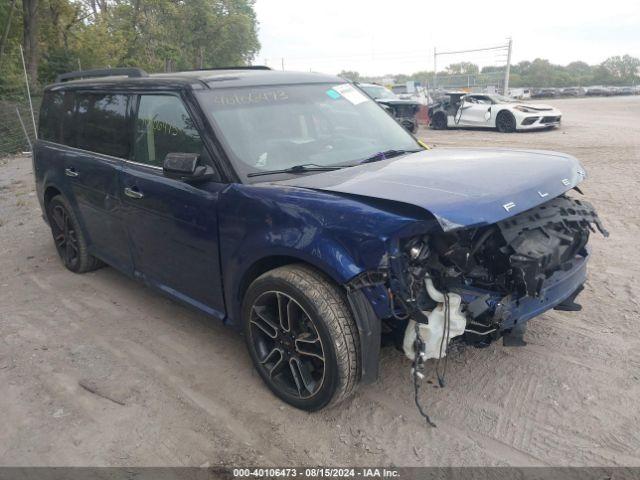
{"x": 292, "y": 207}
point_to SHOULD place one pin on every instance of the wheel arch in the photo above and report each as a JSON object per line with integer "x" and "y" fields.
{"x": 262, "y": 266}
{"x": 364, "y": 315}
{"x": 50, "y": 192}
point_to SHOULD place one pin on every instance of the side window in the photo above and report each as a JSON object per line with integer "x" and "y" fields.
{"x": 101, "y": 123}
{"x": 55, "y": 117}
{"x": 163, "y": 126}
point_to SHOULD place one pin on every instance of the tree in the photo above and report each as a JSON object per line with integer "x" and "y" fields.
{"x": 620, "y": 70}
{"x": 350, "y": 75}
{"x": 7, "y": 29}
{"x": 30, "y": 38}
{"x": 463, "y": 68}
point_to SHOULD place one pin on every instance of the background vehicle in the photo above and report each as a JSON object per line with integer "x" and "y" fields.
{"x": 411, "y": 91}
{"x": 545, "y": 92}
{"x": 263, "y": 199}
{"x": 459, "y": 109}
{"x": 597, "y": 91}
{"x": 402, "y": 109}
{"x": 520, "y": 93}
{"x": 572, "y": 92}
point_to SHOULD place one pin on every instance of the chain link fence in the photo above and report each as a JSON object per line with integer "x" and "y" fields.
{"x": 15, "y": 137}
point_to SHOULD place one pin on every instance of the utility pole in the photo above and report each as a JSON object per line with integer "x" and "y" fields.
{"x": 435, "y": 68}
{"x": 282, "y": 63}
{"x": 505, "y": 90}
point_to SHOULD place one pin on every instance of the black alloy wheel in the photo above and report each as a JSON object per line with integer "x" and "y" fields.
{"x": 505, "y": 122}
{"x": 288, "y": 344}
{"x": 65, "y": 236}
{"x": 68, "y": 237}
{"x": 302, "y": 336}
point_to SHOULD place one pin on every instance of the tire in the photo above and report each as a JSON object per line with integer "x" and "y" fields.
{"x": 68, "y": 237}
{"x": 315, "y": 362}
{"x": 505, "y": 122}
{"x": 439, "y": 121}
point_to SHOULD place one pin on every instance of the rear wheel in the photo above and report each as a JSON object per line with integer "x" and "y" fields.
{"x": 506, "y": 122}
{"x": 439, "y": 121}
{"x": 302, "y": 337}
{"x": 68, "y": 238}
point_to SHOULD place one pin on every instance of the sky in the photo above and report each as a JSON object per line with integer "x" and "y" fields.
{"x": 379, "y": 37}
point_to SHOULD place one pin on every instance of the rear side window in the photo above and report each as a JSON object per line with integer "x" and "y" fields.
{"x": 101, "y": 124}
{"x": 55, "y": 117}
{"x": 163, "y": 126}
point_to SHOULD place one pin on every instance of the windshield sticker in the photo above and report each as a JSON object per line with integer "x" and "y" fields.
{"x": 333, "y": 94}
{"x": 351, "y": 94}
{"x": 255, "y": 97}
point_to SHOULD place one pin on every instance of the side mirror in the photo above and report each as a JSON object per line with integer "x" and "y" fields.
{"x": 186, "y": 167}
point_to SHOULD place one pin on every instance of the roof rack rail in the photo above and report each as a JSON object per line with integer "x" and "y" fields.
{"x": 102, "y": 72}
{"x": 240, "y": 67}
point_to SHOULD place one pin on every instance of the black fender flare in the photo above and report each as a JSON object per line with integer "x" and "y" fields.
{"x": 367, "y": 321}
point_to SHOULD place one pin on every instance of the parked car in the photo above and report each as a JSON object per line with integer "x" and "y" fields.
{"x": 293, "y": 208}
{"x": 417, "y": 93}
{"x": 597, "y": 91}
{"x": 545, "y": 93}
{"x": 403, "y": 110}
{"x": 520, "y": 93}
{"x": 572, "y": 92}
{"x": 460, "y": 109}
{"x": 627, "y": 91}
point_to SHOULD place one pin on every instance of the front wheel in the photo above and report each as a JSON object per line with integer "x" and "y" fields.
{"x": 506, "y": 122}
{"x": 302, "y": 337}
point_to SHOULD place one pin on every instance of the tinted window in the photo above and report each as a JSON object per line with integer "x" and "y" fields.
{"x": 55, "y": 117}
{"x": 163, "y": 126}
{"x": 101, "y": 124}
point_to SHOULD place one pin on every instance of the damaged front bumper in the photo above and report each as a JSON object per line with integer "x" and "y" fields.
{"x": 512, "y": 312}
{"x": 480, "y": 284}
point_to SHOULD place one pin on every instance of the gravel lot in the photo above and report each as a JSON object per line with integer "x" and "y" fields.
{"x": 172, "y": 387}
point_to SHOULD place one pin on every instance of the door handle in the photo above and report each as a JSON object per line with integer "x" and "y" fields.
{"x": 131, "y": 193}
{"x": 71, "y": 172}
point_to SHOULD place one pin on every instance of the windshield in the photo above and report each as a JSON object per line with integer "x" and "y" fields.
{"x": 378, "y": 91}
{"x": 502, "y": 99}
{"x": 278, "y": 127}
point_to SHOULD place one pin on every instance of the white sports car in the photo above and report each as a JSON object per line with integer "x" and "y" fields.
{"x": 490, "y": 110}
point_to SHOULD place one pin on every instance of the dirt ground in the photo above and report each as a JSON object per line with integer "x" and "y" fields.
{"x": 181, "y": 389}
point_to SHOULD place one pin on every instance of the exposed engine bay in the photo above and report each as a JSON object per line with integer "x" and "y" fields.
{"x": 484, "y": 283}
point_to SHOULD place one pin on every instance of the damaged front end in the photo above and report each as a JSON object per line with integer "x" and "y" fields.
{"x": 484, "y": 283}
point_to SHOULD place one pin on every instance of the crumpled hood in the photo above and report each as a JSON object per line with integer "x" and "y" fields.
{"x": 537, "y": 106}
{"x": 461, "y": 187}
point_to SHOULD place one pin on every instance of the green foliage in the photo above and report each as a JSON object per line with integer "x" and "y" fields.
{"x": 157, "y": 35}
{"x": 618, "y": 70}
{"x": 350, "y": 75}
{"x": 463, "y": 68}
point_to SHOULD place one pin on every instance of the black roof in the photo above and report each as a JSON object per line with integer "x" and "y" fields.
{"x": 200, "y": 79}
